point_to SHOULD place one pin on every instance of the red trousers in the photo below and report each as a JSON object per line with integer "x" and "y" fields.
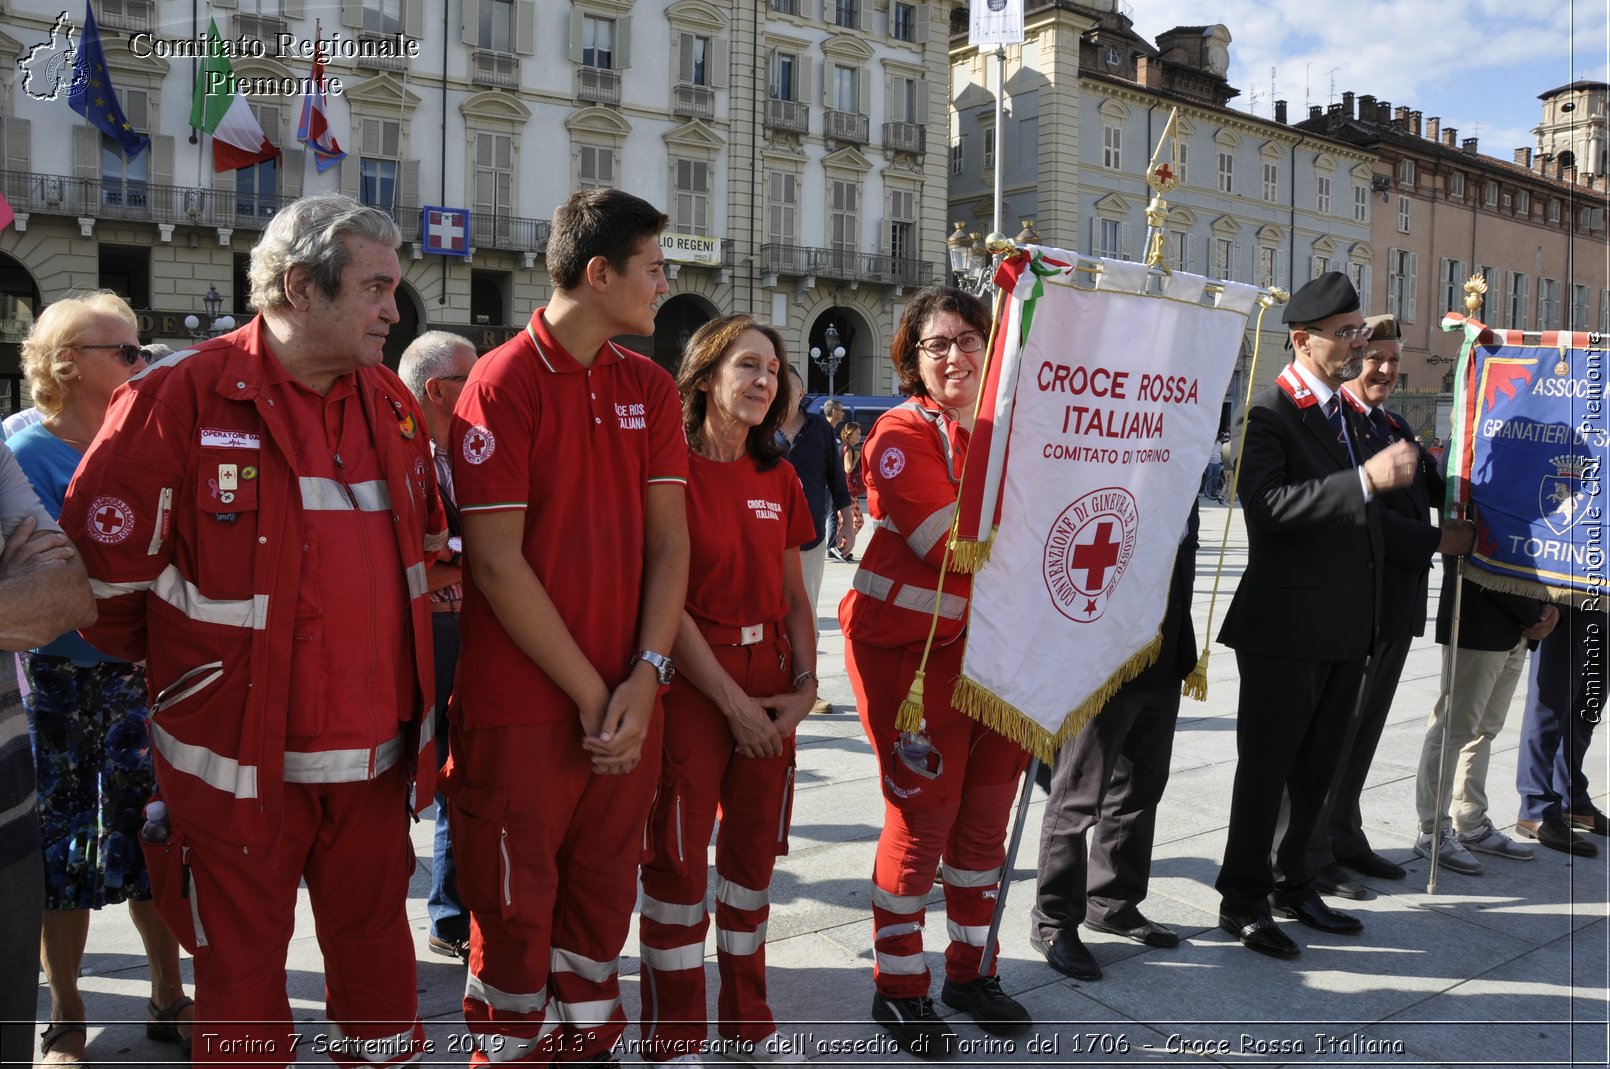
{"x": 702, "y": 774}
{"x": 237, "y": 911}
{"x": 957, "y": 816}
{"x": 547, "y": 857}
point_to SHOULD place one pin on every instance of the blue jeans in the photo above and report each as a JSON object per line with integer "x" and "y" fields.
{"x": 1563, "y": 705}
{"x": 449, "y": 919}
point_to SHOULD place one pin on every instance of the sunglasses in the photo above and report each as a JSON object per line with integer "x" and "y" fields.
{"x": 131, "y": 354}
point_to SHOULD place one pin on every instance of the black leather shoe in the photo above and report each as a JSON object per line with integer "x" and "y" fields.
{"x": 914, "y": 1025}
{"x": 1334, "y": 880}
{"x": 1311, "y": 910}
{"x": 1148, "y": 932}
{"x": 1068, "y": 955}
{"x": 1258, "y": 931}
{"x": 1369, "y": 863}
{"x": 982, "y": 999}
{"x": 1556, "y": 834}
{"x": 449, "y": 948}
{"x": 1588, "y": 820}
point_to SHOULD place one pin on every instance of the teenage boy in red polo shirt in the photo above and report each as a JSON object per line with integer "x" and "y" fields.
{"x": 570, "y": 466}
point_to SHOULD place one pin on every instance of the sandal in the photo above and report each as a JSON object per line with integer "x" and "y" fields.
{"x": 54, "y": 1035}
{"x": 162, "y": 1024}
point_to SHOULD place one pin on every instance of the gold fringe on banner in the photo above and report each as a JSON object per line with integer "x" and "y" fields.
{"x": 1196, "y": 684}
{"x": 970, "y": 556}
{"x": 1531, "y": 588}
{"x": 1003, "y": 718}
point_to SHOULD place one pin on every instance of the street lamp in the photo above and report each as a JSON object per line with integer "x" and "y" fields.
{"x": 217, "y": 324}
{"x": 967, "y": 258}
{"x": 828, "y": 360}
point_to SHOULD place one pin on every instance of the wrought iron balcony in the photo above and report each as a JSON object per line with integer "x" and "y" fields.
{"x": 597, "y": 85}
{"x": 126, "y": 14}
{"x": 800, "y": 261}
{"x": 694, "y": 102}
{"x": 498, "y": 69}
{"x": 905, "y": 137}
{"x": 144, "y": 202}
{"x": 846, "y": 126}
{"x": 791, "y": 115}
{"x": 260, "y": 27}
{"x": 369, "y": 44}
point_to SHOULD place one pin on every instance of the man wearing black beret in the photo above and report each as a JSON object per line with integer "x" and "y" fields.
{"x": 1304, "y": 615}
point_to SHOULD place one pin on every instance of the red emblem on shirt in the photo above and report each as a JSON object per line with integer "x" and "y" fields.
{"x": 478, "y": 445}
{"x": 110, "y": 520}
{"x": 892, "y": 462}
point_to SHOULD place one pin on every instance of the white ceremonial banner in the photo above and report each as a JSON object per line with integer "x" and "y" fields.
{"x": 1111, "y": 398}
{"x": 995, "y": 22}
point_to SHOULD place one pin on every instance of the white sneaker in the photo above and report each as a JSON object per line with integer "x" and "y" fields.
{"x": 1489, "y": 840}
{"x": 775, "y": 1049}
{"x": 1450, "y": 855}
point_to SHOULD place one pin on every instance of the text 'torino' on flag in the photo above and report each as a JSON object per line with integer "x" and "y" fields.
{"x": 218, "y": 108}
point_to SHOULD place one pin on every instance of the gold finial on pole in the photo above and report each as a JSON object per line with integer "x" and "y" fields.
{"x": 1162, "y": 175}
{"x": 1475, "y": 293}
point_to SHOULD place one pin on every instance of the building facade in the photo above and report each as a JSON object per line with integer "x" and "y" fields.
{"x": 1087, "y": 100}
{"x": 796, "y": 144}
{"x": 1534, "y": 229}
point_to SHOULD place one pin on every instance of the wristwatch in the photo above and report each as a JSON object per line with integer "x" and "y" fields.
{"x": 663, "y": 668}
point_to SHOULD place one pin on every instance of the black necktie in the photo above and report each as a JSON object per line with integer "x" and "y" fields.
{"x": 1333, "y": 414}
{"x": 1382, "y": 426}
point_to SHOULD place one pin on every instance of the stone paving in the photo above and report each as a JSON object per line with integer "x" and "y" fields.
{"x": 1509, "y": 969}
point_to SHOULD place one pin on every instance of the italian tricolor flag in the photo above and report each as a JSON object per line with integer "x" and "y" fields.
{"x": 217, "y": 108}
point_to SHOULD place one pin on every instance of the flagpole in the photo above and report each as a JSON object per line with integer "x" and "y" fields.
{"x": 1000, "y": 133}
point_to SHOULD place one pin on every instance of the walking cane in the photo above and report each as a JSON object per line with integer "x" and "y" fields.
{"x": 1447, "y": 708}
{"x": 1006, "y": 866}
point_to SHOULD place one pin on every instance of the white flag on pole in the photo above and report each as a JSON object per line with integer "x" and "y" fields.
{"x": 995, "y": 22}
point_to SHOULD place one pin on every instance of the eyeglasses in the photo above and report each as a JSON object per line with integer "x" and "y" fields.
{"x": 939, "y": 348}
{"x": 132, "y": 354}
{"x": 1362, "y": 333}
{"x": 451, "y": 378}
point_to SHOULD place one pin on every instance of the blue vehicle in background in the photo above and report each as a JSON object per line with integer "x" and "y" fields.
{"x": 858, "y": 407}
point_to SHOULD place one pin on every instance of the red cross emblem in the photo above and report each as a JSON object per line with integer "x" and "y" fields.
{"x": 1164, "y": 174}
{"x": 1094, "y": 558}
{"x": 1087, "y": 550}
{"x": 110, "y": 520}
{"x": 479, "y": 444}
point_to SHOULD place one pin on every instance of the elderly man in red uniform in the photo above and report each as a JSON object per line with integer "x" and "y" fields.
{"x": 257, "y": 515}
{"x": 570, "y": 467}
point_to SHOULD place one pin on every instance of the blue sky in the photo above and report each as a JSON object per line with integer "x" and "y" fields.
{"x": 1478, "y": 65}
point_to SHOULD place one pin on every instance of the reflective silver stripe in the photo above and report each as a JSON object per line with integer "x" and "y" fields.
{"x": 501, "y": 1047}
{"x": 416, "y": 581}
{"x": 743, "y": 943}
{"x": 901, "y": 964}
{"x": 195, "y": 904}
{"x": 178, "y": 691}
{"x": 510, "y": 1001}
{"x": 176, "y": 590}
{"x": 332, "y": 495}
{"x": 114, "y": 590}
{"x": 341, "y": 766}
{"x": 886, "y": 523}
{"x": 971, "y": 934}
{"x": 918, "y": 599}
{"x": 673, "y": 912}
{"x": 588, "y": 1013}
{"x": 895, "y": 931}
{"x": 427, "y": 730}
{"x": 167, "y": 361}
{"x": 872, "y": 584}
{"x": 888, "y": 900}
{"x": 930, "y": 531}
{"x": 586, "y": 968}
{"x": 969, "y": 877}
{"x": 674, "y": 959}
{"x": 738, "y": 896}
{"x": 384, "y": 1050}
{"x": 214, "y": 769}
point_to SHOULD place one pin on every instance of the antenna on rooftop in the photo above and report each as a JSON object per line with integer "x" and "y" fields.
{"x": 1332, "y": 98}
{"x": 1308, "y": 98}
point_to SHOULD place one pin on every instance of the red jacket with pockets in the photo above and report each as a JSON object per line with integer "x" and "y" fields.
{"x": 205, "y": 590}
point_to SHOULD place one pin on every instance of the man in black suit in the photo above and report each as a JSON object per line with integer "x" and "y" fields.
{"x": 1409, "y": 539}
{"x": 1304, "y": 615}
{"x": 1110, "y": 777}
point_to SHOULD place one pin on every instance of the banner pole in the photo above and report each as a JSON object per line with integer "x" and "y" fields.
{"x": 1452, "y": 663}
{"x": 1012, "y": 845}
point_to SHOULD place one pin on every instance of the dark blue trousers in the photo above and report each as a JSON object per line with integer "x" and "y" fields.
{"x": 1564, "y": 702}
{"x": 449, "y": 919}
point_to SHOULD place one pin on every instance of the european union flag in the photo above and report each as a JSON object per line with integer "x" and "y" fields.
{"x": 92, "y": 95}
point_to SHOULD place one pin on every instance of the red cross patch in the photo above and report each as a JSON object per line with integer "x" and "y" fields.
{"x": 479, "y": 444}
{"x": 110, "y": 520}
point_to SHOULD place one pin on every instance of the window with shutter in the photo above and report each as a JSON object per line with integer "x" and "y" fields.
{"x": 493, "y": 183}
{"x": 1403, "y": 215}
{"x": 784, "y": 76}
{"x": 598, "y": 42}
{"x": 989, "y": 148}
{"x": 693, "y": 53}
{"x": 124, "y": 181}
{"x": 903, "y": 22}
{"x": 1271, "y": 181}
{"x": 1361, "y": 204}
{"x": 1322, "y": 195}
{"x": 383, "y": 16}
{"x": 690, "y": 212}
{"x": 596, "y": 167}
{"x": 1226, "y": 173}
{"x": 496, "y": 30}
{"x": 1112, "y": 139}
{"x": 1223, "y": 257}
{"x": 782, "y": 208}
{"x": 845, "y": 14}
{"x": 257, "y": 186}
{"x": 844, "y": 221}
